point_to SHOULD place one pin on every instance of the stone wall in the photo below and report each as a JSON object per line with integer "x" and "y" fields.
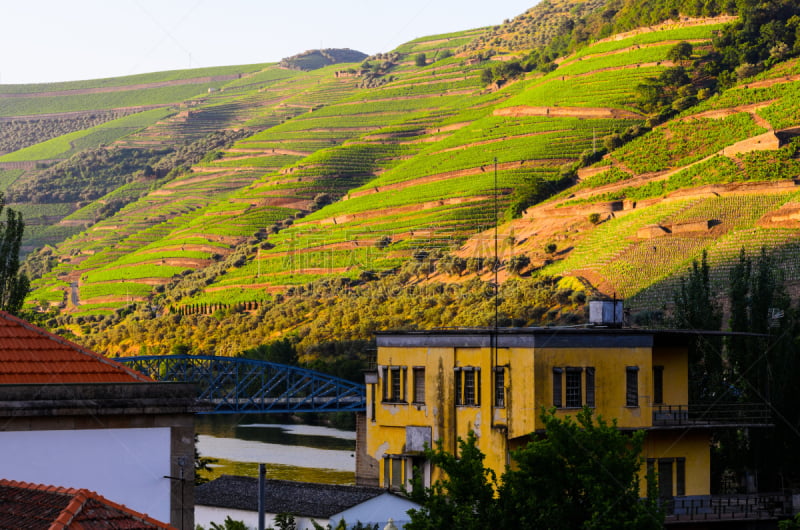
{"x": 367, "y": 471}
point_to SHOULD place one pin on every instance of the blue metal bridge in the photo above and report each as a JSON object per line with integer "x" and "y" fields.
{"x": 232, "y": 385}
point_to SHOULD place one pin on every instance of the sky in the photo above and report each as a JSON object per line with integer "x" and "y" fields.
{"x": 66, "y": 40}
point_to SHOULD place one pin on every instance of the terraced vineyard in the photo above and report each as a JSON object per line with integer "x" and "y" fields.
{"x": 337, "y": 180}
{"x": 354, "y": 175}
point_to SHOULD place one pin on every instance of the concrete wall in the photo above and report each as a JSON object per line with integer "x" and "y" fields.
{"x": 90, "y": 435}
{"x": 127, "y": 466}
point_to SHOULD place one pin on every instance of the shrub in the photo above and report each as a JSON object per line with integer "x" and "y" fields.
{"x": 517, "y": 263}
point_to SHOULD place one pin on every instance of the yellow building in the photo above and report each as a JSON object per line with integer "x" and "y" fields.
{"x": 439, "y": 385}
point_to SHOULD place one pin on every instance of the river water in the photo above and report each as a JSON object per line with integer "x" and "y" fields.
{"x": 308, "y": 453}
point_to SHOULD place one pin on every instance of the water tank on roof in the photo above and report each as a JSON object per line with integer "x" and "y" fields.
{"x": 606, "y": 313}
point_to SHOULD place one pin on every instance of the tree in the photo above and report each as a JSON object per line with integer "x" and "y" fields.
{"x": 680, "y": 52}
{"x": 517, "y": 263}
{"x": 762, "y": 367}
{"x": 420, "y": 59}
{"x": 464, "y": 498}
{"x": 13, "y": 284}
{"x": 695, "y": 308}
{"x": 583, "y": 473}
{"x": 201, "y": 464}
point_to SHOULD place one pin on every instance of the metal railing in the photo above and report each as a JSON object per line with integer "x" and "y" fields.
{"x": 753, "y": 507}
{"x": 712, "y": 414}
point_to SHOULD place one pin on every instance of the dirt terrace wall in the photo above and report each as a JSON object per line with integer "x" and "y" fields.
{"x": 567, "y": 112}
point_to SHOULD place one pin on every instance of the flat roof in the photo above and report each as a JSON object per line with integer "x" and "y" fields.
{"x": 544, "y": 337}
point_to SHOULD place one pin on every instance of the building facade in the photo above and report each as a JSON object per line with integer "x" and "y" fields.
{"x": 439, "y": 385}
{"x": 72, "y": 418}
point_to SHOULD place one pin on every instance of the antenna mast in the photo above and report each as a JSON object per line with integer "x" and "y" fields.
{"x": 496, "y": 253}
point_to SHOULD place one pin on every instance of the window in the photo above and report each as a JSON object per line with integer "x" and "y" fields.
{"x": 568, "y": 389}
{"x": 590, "y": 386}
{"x": 418, "y": 467}
{"x": 397, "y": 473}
{"x": 664, "y": 476}
{"x": 459, "y": 398}
{"x": 393, "y": 472}
{"x": 467, "y": 385}
{"x": 632, "y": 386}
{"x": 471, "y": 383}
{"x": 658, "y": 385}
{"x": 680, "y": 476}
{"x": 500, "y": 386}
{"x": 557, "y": 387}
{"x": 419, "y": 384}
{"x": 574, "y": 397}
{"x": 394, "y": 384}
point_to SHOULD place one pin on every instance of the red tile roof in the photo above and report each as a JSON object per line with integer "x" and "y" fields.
{"x": 29, "y": 354}
{"x": 36, "y": 506}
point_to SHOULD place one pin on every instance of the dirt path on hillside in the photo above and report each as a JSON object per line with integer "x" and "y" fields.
{"x": 756, "y": 143}
{"x": 74, "y": 294}
{"x": 766, "y": 83}
{"x": 719, "y": 114}
{"x": 568, "y": 112}
{"x": 265, "y": 152}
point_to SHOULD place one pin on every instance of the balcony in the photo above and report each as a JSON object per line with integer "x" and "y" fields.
{"x": 712, "y": 415}
{"x": 722, "y": 508}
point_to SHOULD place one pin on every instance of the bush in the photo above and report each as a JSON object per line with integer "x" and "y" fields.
{"x": 517, "y": 263}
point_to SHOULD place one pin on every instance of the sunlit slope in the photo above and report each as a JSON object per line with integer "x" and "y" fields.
{"x": 150, "y": 111}
{"x": 719, "y": 178}
{"x": 193, "y": 204}
{"x": 297, "y": 105}
{"x": 359, "y": 180}
{"x": 442, "y": 187}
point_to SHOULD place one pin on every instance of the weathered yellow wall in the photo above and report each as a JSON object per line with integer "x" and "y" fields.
{"x": 448, "y": 422}
{"x": 694, "y": 446}
{"x": 528, "y": 390}
{"x": 676, "y": 369}
{"x": 610, "y": 380}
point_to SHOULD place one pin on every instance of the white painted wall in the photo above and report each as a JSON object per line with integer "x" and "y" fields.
{"x": 205, "y": 515}
{"x": 126, "y": 466}
{"x": 378, "y": 510}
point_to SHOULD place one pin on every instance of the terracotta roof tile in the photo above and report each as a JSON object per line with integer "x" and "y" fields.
{"x": 29, "y": 354}
{"x": 37, "y": 506}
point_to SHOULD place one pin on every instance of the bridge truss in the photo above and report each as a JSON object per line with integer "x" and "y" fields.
{"x": 232, "y": 385}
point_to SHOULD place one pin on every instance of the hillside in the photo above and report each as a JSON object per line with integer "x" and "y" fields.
{"x": 381, "y": 180}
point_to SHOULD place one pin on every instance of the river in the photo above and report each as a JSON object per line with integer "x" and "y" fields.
{"x": 308, "y": 453}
